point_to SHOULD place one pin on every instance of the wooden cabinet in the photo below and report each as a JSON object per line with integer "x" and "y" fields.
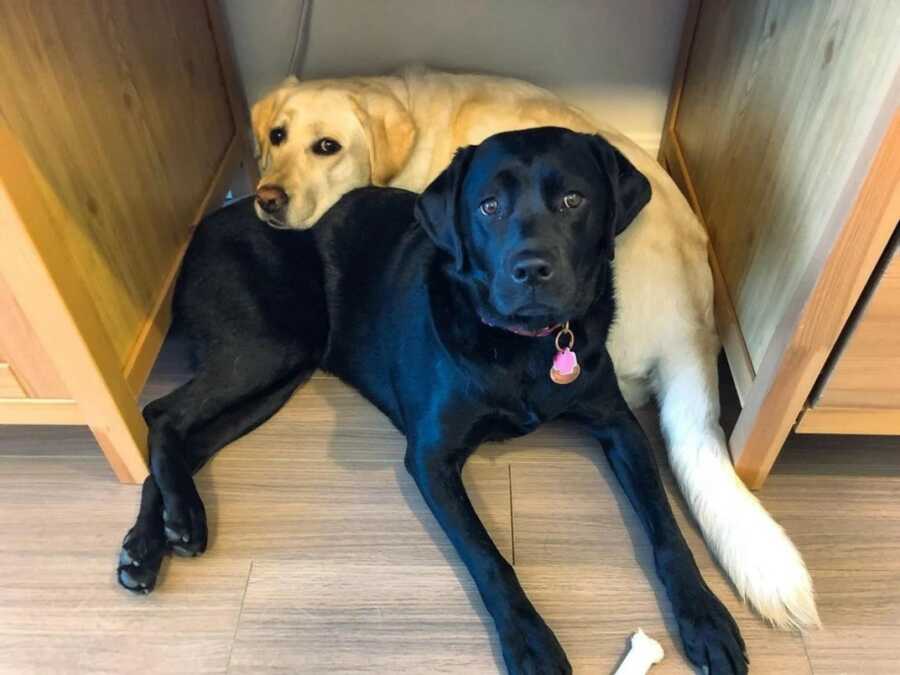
{"x": 784, "y": 133}
{"x": 120, "y": 125}
{"x": 859, "y": 391}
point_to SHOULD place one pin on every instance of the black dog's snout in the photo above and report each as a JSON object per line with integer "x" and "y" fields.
{"x": 532, "y": 269}
{"x": 271, "y": 198}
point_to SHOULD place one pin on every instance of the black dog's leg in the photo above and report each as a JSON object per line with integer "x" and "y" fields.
{"x": 710, "y": 636}
{"x": 529, "y": 646}
{"x": 217, "y": 388}
{"x": 146, "y": 542}
{"x": 144, "y": 545}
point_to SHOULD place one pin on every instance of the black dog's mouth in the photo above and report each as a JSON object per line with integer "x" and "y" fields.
{"x": 531, "y": 320}
{"x": 528, "y": 316}
{"x": 533, "y": 310}
{"x": 527, "y": 308}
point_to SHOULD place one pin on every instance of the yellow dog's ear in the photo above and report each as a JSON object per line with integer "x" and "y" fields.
{"x": 264, "y": 111}
{"x": 390, "y": 130}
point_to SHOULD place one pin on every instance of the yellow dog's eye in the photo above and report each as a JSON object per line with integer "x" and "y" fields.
{"x": 489, "y": 206}
{"x": 572, "y": 200}
{"x": 278, "y": 135}
{"x": 326, "y": 146}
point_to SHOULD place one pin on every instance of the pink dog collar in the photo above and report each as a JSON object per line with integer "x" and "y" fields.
{"x": 565, "y": 368}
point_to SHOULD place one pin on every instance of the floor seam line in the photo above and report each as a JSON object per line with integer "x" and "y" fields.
{"x": 512, "y": 526}
{"x": 809, "y": 662}
{"x": 237, "y": 622}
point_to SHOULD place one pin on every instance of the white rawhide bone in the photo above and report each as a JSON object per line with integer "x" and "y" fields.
{"x": 644, "y": 653}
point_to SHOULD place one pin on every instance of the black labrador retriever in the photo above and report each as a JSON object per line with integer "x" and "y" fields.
{"x": 475, "y": 313}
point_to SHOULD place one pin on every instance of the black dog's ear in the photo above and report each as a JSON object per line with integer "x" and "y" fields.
{"x": 630, "y": 188}
{"x": 436, "y": 208}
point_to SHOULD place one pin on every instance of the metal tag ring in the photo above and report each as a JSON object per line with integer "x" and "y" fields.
{"x": 568, "y": 333}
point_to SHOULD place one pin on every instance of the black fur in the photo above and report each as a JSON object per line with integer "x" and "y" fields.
{"x": 251, "y": 300}
{"x": 421, "y": 299}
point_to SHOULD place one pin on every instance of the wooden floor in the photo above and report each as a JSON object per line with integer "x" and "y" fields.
{"x": 324, "y": 559}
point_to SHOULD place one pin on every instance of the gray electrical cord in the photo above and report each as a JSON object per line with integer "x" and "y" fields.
{"x": 299, "y": 40}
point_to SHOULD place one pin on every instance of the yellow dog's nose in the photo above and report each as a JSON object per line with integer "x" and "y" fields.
{"x": 271, "y": 198}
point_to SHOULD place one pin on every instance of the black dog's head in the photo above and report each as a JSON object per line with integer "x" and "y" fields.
{"x": 529, "y": 218}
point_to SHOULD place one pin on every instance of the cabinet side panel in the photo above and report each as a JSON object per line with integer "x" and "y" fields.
{"x": 22, "y": 349}
{"x": 123, "y": 109}
{"x": 777, "y": 104}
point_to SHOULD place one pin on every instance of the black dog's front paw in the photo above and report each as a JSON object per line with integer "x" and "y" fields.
{"x": 531, "y": 648}
{"x": 140, "y": 559}
{"x": 711, "y": 637}
{"x": 184, "y": 519}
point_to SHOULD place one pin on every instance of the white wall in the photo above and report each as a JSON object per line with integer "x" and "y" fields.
{"x": 263, "y": 34}
{"x": 615, "y": 58}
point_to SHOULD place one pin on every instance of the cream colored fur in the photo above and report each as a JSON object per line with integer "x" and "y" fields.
{"x": 403, "y": 130}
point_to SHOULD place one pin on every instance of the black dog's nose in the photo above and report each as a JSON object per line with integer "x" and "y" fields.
{"x": 532, "y": 270}
{"x": 271, "y": 198}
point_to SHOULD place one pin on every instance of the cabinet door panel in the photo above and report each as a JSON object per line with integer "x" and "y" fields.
{"x": 122, "y": 107}
{"x": 778, "y": 100}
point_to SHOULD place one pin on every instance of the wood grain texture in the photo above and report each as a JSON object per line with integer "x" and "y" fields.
{"x": 61, "y": 518}
{"x": 9, "y": 384}
{"x": 87, "y": 625}
{"x": 842, "y": 651}
{"x": 860, "y": 600}
{"x": 729, "y": 328}
{"x": 237, "y": 96}
{"x": 58, "y": 304}
{"x": 239, "y": 154}
{"x": 866, "y": 373}
{"x": 579, "y": 544}
{"x": 688, "y": 28}
{"x": 150, "y": 338}
{"x": 375, "y": 618}
{"x": 603, "y": 530}
{"x": 347, "y": 449}
{"x": 123, "y": 108}
{"x": 593, "y": 609}
{"x": 828, "y": 420}
{"x": 41, "y": 411}
{"x": 672, "y": 157}
{"x": 818, "y": 309}
{"x": 861, "y": 613}
{"x": 778, "y": 102}
{"x": 21, "y": 346}
{"x": 861, "y": 531}
{"x": 324, "y": 559}
{"x": 374, "y": 506}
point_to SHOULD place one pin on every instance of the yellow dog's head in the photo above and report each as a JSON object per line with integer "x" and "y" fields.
{"x": 317, "y": 140}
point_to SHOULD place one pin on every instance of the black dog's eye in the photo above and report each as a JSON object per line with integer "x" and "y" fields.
{"x": 572, "y": 200}
{"x": 278, "y": 135}
{"x": 489, "y": 206}
{"x": 326, "y": 146}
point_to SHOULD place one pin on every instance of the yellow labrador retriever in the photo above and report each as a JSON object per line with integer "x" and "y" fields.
{"x": 319, "y": 139}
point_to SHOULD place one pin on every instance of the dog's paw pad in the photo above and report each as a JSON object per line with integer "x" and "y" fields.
{"x": 135, "y": 584}
{"x": 140, "y": 558}
{"x": 184, "y": 525}
{"x": 184, "y": 552}
{"x": 174, "y": 536}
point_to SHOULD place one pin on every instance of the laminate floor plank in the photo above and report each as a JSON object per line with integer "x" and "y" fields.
{"x": 324, "y": 558}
